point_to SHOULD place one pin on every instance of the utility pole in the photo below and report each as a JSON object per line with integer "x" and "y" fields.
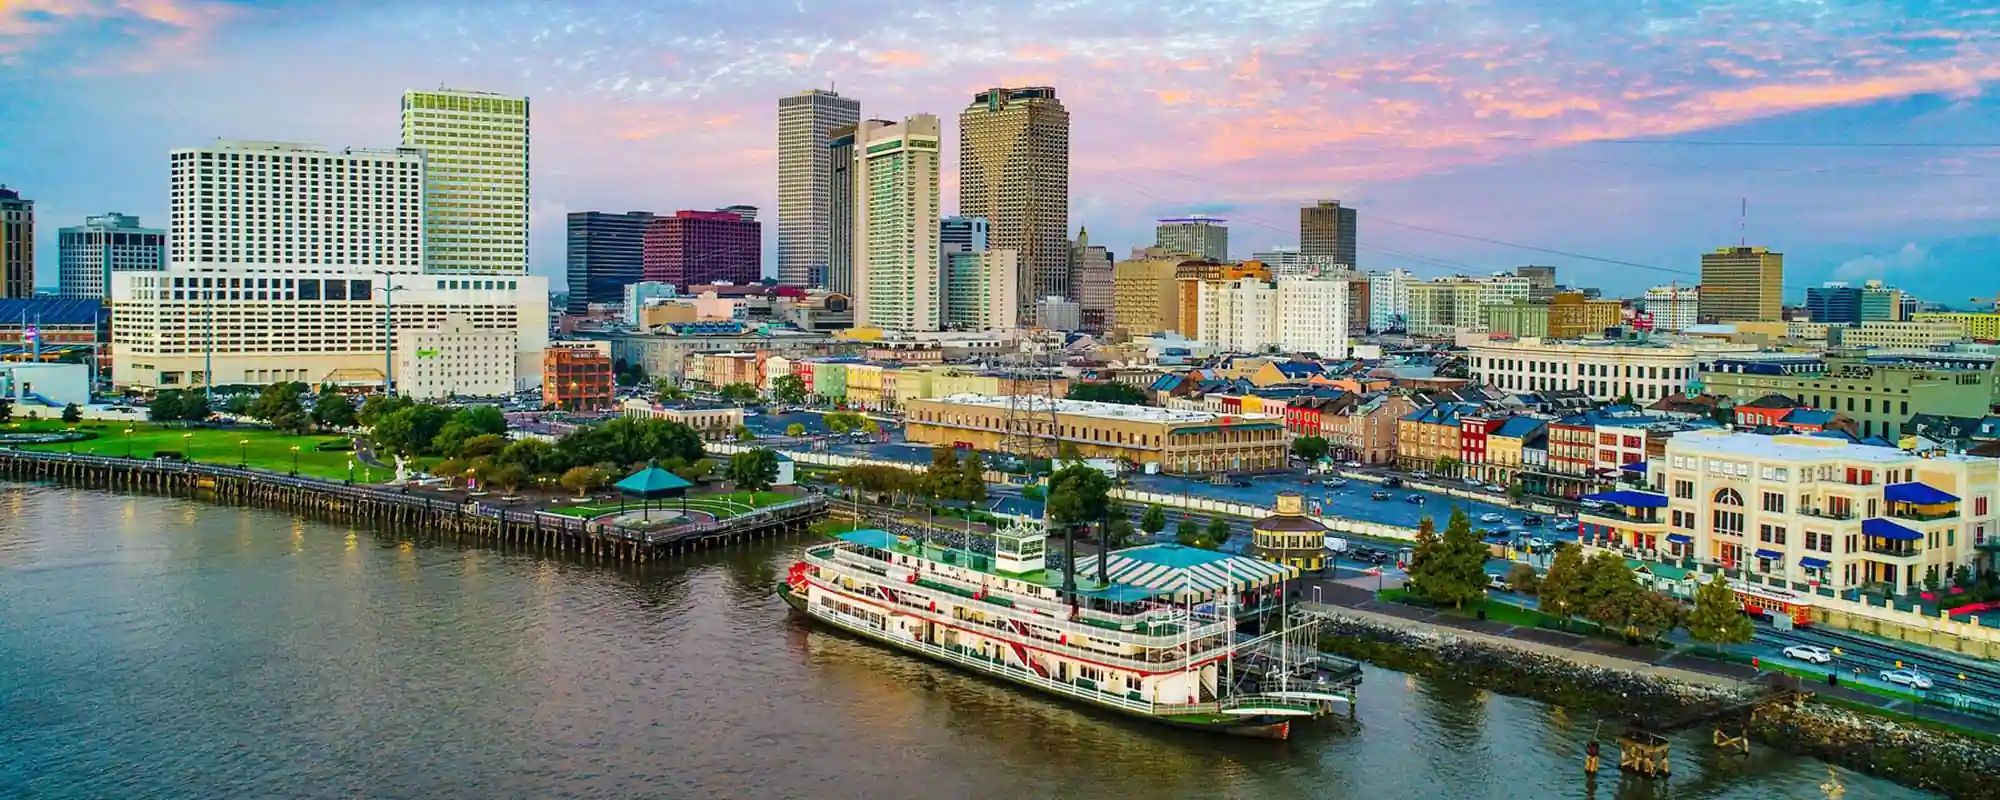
{"x": 388, "y": 332}
{"x": 208, "y": 355}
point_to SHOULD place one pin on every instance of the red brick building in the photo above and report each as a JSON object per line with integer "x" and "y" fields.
{"x": 696, "y": 247}
{"x": 576, "y": 376}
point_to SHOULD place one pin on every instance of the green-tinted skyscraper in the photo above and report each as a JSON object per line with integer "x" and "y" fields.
{"x": 476, "y": 178}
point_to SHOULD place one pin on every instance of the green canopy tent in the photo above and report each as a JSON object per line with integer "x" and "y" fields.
{"x": 652, "y": 483}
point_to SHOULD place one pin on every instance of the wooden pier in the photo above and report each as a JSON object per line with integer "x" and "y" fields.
{"x": 1645, "y": 750}
{"x": 398, "y": 509}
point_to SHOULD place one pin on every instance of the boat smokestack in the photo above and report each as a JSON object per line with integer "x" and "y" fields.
{"x": 1069, "y": 563}
{"x": 1103, "y": 551}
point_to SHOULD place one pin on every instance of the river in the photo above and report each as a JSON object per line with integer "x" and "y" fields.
{"x": 161, "y": 648}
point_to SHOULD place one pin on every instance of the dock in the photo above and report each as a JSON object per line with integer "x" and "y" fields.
{"x": 396, "y": 509}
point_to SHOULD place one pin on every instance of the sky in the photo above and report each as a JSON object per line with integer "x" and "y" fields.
{"x": 1615, "y": 140}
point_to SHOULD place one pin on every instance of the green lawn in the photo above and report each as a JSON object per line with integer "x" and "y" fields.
{"x": 265, "y": 449}
{"x": 723, "y": 506}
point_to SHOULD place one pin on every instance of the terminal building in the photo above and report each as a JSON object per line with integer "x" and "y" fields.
{"x": 1167, "y": 440}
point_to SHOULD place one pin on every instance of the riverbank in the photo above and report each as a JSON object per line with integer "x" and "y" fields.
{"x": 398, "y": 509}
{"x": 1920, "y": 757}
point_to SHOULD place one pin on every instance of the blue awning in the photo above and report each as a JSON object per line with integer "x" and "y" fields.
{"x": 1884, "y": 529}
{"x": 1813, "y": 563}
{"x": 1921, "y": 494}
{"x": 1770, "y": 554}
{"x": 1636, "y": 466}
{"x": 1680, "y": 537}
{"x": 1631, "y": 499}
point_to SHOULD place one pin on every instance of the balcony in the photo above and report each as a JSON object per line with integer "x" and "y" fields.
{"x": 1893, "y": 549}
{"x": 1921, "y": 515}
{"x": 1644, "y": 516}
{"x": 1821, "y": 513}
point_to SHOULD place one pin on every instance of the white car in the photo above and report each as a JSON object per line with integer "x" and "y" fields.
{"x": 1806, "y": 652}
{"x": 1907, "y": 677}
{"x": 1351, "y": 464}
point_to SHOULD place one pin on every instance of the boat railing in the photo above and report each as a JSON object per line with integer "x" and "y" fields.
{"x": 1050, "y": 612}
{"x": 1029, "y": 676}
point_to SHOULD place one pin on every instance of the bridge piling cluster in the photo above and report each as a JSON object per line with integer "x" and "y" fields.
{"x": 401, "y": 511}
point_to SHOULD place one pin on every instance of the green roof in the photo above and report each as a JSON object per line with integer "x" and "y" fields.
{"x": 651, "y": 481}
{"x": 1659, "y": 570}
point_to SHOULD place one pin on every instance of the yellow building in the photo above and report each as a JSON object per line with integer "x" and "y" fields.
{"x": 1971, "y": 325}
{"x": 1290, "y": 537}
{"x": 1572, "y": 316}
{"x": 1742, "y": 284}
{"x": 1177, "y": 440}
{"x": 1143, "y": 300}
{"x": 864, "y": 385}
{"x": 1427, "y": 434}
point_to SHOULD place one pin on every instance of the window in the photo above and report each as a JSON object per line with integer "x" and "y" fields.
{"x": 1771, "y": 534}
{"x": 1728, "y": 497}
{"x": 1774, "y": 502}
{"x": 1684, "y": 490}
{"x": 1728, "y": 523}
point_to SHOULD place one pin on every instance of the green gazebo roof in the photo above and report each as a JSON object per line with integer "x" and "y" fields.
{"x": 652, "y": 482}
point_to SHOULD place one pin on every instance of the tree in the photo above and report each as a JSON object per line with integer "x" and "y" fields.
{"x": 485, "y": 445}
{"x": 972, "y": 477}
{"x": 869, "y": 426}
{"x": 378, "y": 406}
{"x": 71, "y": 414}
{"x": 742, "y": 433}
{"x": 1653, "y": 614}
{"x": 1186, "y": 533}
{"x": 333, "y": 409}
{"x": 1717, "y": 617}
{"x": 842, "y": 422}
{"x": 1932, "y": 580}
{"x": 508, "y": 477}
{"x": 1561, "y": 584}
{"x": 1309, "y": 448}
{"x": 1120, "y": 527}
{"x": 7, "y": 410}
{"x": 695, "y": 471}
{"x": 1523, "y": 578}
{"x": 581, "y": 479}
{"x": 668, "y": 390}
{"x": 1516, "y": 491}
{"x": 1034, "y": 491}
{"x": 795, "y": 430}
{"x": 742, "y": 393}
{"x": 790, "y": 389}
{"x": 1107, "y": 392}
{"x": 1067, "y": 453}
{"x": 1078, "y": 495}
{"x": 279, "y": 405}
{"x": 1961, "y": 578}
{"x": 535, "y": 456}
{"x": 1625, "y": 399}
{"x": 450, "y": 469}
{"x": 754, "y": 470}
{"x": 1154, "y": 521}
{"x": 1610, "y": 591}
{"x": 1454, "y": 569}
{"x": 942, "y": 478}
{"x": 1445, "y": 465}
{"x": 1424, "y": 556}
{"x": 194, "y": 407}
{"x": 1217, "y": 532}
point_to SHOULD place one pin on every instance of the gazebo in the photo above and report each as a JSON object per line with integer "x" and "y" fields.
{"x": 652, "y": 483}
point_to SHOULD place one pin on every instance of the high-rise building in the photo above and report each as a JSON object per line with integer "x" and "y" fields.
{"x": 838, "y": 275}
{"x": 1880, "y": 303}
{"x": 1541, "y": 282}
{"x": 104, "y": 244}
{"x": 1292, "y": 314}
{"x": 476, "y": 179}
{"x": 806, "y": 158}
{"x": 962, "y": 235}
{"x": 281, "y": 203}
{"x": 1058, "y": 314}
{"x": 896, "y": 225}
{"x": 746, "y": 213}
{"x": 1673, "y": 308}
{"x": 17, "y": 245}
{"x": 1742, "y": 284}
{"x": 697, "y": 247}
{"x": 982, "y": 289}
{"x": 1092, "y": 280}
{"x": 1145, "y": 297}
{"x": 1326, "y": 234}
{"x": 1389, "y": 299}
{"x": 1196, "y": 235}
{"x": 1573, "y": 316}
{"x": 606, "y": 254}
{"x": 1280, "y": 259}
{"x": 1013, "y": 164}
{"x": 1360, "y": 299}
{"x": 1833, "y": 302}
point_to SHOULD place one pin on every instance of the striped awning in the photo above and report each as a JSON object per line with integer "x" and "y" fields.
{"x": 1187, "y": 573}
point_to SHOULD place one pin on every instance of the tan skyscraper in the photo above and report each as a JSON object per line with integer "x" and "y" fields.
{"x": 17, "y": 245}
{"x": 1013, "y": 169}
{"x": 897, "y": 280}
{"x": 806, "y": 152}
{"x": 1742, "y": 284}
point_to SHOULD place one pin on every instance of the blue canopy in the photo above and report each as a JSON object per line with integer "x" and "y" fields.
{"x": 1814, "y": 563}
{"x": 1636, "y": 466}
{"x": 1772, "y": 555}
{"x": 651, "y": 482}
{"x": 1921, "y": 494}
{"x": 1629, "y": 498}
{"x": 1884, "y": 529}
{"x": 1681, "y": 538}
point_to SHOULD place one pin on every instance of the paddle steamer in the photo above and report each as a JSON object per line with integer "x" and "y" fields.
{"x": 1176, "y": 635}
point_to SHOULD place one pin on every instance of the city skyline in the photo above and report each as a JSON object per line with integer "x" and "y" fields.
{"x": 1462, "y": 132}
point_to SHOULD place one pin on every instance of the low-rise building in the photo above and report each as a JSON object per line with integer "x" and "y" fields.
{"x": 1975, "y": 325}
{"x": 455, "y": 359}
{"x": 1918, "y": 335}
{"x": 1507, "y": 449}
{"x": 1604, "y": 370}
{"x": 1427, "y": 438}
{"x": 1290, "y": 537}
{"x": 1805, "y": 512}
{"x": 1177, "y": 441}
{"x": 706, "y": 417}
{"x": 576, "y": 376}
{"x": 1879, "y": 394}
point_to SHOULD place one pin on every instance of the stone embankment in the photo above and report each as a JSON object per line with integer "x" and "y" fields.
{"x": 1921, "y": 757}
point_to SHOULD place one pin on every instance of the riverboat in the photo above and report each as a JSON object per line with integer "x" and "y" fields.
{"x": 1175, "y": 635}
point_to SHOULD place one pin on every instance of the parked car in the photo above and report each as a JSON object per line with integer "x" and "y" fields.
{"x": 1350, "y": 464}
{"x": 1498, "y": 583}
{"x": 1392, "y": 482}
{"x": 1532, "y": 521}
{"x": 1907, "y": 677}
{"x": 1806, "y": 652}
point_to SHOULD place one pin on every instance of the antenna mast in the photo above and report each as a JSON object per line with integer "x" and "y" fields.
{"x": 1743, "y": 224}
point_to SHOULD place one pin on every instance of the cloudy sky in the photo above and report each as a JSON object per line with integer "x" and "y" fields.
{"x": 1616, "y": 139}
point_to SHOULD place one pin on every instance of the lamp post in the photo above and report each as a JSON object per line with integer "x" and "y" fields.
{"x": 72, "y": 441}
{"x": 187, "y": 446}
{"x": 350, "y": 472}
{"x": 243, "y": 454}
{"x": 471, "y": 475}
{"x": 388, "y": 332}
{"x": 128, "y": 442}
{"x": 295, "y": 461}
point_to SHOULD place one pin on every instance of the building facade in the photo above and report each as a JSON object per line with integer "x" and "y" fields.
{"x": 475, "y": 178}
{"x": 1880, "y": 397}
{"x": 1919, "y": 335}
{"x": 1981, "y": 326}
{"x": 1445, "y": 306}
{"x": 1013, "y": 169}
{"x": 576, "y": 376}
{"x": 1389, "y": 299}
{"x": 282, "y": 204}
{"x": 1177, "y": 440}
{"x": 606, "y": 253}
{"x": 17, "y": 245}
{"x": 1572, "y": 316}
{"x": 1288, "y": 536}
{"x": 1280, "y": 259}
{"x": 697, "y": 247}
{"x": 839, "y": 274}
{"x": 982, "y": 290}
{"x": 1742, "y": 284}
{"x": 806, "y": 132}
{"x": 1144, "y": 293}
{"x": 1194, "y": 235}
{"x": 1604, "y": 370}
{"x": 1805, "y": 513}
{"x": 897, "y": 276}
{"x": 1327, "y": 232}
{"x": 1521, "y": 320}
{"x": 104, "y": 244}
{"x": 455, "y": 359}
{"x": 1541, "y": 282}
{"x": 1673, "y": 308}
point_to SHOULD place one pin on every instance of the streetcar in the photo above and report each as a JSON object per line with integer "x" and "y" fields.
{"x": 1764, "y": 601}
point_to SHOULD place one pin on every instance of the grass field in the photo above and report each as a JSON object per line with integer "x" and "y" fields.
{"x": 266, "y": 449}
{"x": 723, "y": 506}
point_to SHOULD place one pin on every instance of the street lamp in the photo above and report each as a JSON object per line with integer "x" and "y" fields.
{"x": 295, "y": 461}
{"x": 243, "y": 456}
{"x": 72, "y": 441}
{"x": 471, "y": 475}
{"x": 128, "y": 442}
{"x": 388, "y": 332}
{"x": 187, "y": 446}
{"x": 350, "y": 471}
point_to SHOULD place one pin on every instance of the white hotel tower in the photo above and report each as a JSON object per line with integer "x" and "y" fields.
{"x": 285, "y": 258}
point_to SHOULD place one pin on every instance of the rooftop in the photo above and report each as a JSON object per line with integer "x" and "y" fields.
{"x": 1086, "y": 408}
{"x": 1784, "y": 448}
